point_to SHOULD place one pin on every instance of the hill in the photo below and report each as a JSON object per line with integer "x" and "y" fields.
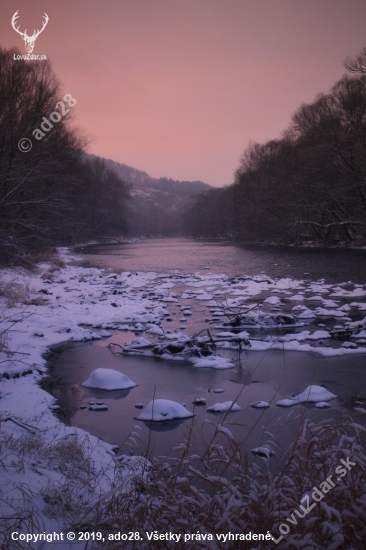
{"x": 156, "y": 204}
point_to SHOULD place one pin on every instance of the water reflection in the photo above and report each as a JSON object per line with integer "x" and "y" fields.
{"x": 192, "y": 255}
{"x": 163, "y": 426}
{"x": 268, "y": 376}
{"x": 102, "y": 395}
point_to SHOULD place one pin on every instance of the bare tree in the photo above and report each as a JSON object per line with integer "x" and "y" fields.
{"x": 356, "y": 64}
{"x": 311, "y": 184}
{"x": 35, "y": 186}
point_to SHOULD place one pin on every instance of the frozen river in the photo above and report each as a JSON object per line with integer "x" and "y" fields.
{"x": 321, "y": 288}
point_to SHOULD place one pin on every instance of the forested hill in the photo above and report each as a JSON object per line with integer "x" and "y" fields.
{"x": 156, "y": 204}
{"x": 142, "y": 180}
{"x": 307, "y": 187}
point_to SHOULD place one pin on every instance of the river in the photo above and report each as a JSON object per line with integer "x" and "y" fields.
{"x": 269, "y": 375}
{"x": 190, "y": 255}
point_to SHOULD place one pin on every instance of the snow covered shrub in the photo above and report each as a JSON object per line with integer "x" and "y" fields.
{"x": 45, "y": 484}
{"x": 220, "y": 492}
{"x": 217, "y": 491}
{"x": 14, "y": 292}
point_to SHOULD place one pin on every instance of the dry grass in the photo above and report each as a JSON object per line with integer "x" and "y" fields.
{"x": 220, "y": 490}
{"x": 70, "y": 483}
{"x": 15, "y": 292}
{"x": 18, "y": 292}
{"x": 30, "y": 261}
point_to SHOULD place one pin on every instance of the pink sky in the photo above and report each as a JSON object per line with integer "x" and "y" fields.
{"x": 179, "y": 87}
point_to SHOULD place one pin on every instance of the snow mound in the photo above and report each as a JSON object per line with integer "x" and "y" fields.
{"x": 312, "y": 394}
{"x": 213, "y": 361}
{"x": 164, "y": 409}
{"x": 322, "y": 405}
{"x": 260, "y": 404}
{"x": 137, "y": 343}
{"x": 223, "y": 407}
{"x": 154, "y": 329}
{"x": 349, "y": 345}
{"x": 108, "y": 379}
{"x": 98, "y": 407}
{"x": 199, "y": 401}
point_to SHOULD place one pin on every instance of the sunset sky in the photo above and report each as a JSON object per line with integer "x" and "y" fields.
{"x": 178, "y": 88}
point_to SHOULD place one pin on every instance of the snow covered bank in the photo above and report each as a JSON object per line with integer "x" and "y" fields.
{"x": 73, "y": 303}
{"x": 40, "y": 456}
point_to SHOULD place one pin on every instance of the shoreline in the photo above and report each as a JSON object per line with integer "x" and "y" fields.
{"x": 73, "y": 303}
{"x": 110, "y": 241}
{"x": 26, "y": 410}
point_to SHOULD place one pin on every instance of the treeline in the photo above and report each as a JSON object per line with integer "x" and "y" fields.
{"x": 140, "y": 179}
{"x": 156, "y": 204}
{"x": 49, "y": 193}
{"x": 308, "y": 186}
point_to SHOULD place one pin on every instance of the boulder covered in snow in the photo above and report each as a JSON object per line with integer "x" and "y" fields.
{"x": 199, "y": 401}
{"x": 108, "y": 379}
{"x": 223, "y": 407}
{"x": 98, "y": 407}
{"x": 312, "y": 394}
{"x": 105, "y": 334}
{"x": 260, "y": 404}
{"x": 137, "y": 343}
{"x": 164, "y": 409}
{"x": 322, "y": 405}
{"x": 154, "y": 329}
{"x": 213, "y": 361}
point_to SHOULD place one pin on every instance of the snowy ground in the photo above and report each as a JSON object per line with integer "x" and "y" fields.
{"x": 57, "y": 305}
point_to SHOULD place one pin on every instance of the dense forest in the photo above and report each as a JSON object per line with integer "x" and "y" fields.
{"x": 50, "y": 194}
{"x": 53, "y": 192}
{"x": 156, "y": 205}
{"x": 308, "y": 186}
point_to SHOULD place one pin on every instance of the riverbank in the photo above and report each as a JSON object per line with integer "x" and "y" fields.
{"x": 46, "y": 468}
{"x": 55, "y": 476}
{"x": 359, "y": 244}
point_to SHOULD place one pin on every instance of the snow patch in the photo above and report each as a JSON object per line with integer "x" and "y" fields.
{"x": 223, "y": 407}
{"x": 312, "y": 394}
{"x": 213, "y": 361}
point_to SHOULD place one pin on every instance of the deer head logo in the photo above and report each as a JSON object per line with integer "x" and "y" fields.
{"x": 28, "y": 40}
